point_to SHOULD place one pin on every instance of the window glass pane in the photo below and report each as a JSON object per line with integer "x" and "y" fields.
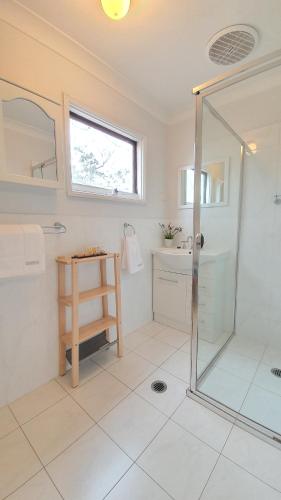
{"x": 98, "y": 159}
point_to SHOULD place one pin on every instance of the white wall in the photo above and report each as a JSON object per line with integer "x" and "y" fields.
{"x": 28, "y": 314}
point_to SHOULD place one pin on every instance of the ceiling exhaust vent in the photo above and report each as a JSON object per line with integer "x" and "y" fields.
{"x": 232, "y": 44}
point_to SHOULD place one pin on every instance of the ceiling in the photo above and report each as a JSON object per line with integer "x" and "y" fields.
{"x": 161, "y": 45}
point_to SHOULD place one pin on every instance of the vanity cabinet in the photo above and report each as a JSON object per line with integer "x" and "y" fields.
{"x": 172, "y": 297}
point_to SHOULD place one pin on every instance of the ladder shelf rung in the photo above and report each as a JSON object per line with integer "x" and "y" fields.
{"x": 90, "y": 330}
{"x": 89, "y": 294}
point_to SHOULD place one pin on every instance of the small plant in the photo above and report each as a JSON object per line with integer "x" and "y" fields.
{"x": 169, "y": 231}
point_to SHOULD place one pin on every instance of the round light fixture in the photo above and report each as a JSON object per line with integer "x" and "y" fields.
{"x": 116, "y": 9}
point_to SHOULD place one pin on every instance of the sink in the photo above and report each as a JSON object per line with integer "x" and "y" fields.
{"x": 180, "y": 259}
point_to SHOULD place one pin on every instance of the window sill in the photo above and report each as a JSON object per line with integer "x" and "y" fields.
{"x": 119, "y": 198}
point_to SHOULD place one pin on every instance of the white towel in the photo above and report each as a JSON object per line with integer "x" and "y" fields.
{"x": 34, "y": 249}
{"x": 22, "y": 250}
{"x": 11, "y": 251}
{"x": 131, "y": 257}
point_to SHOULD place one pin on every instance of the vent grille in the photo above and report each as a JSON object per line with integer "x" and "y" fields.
{"x": 232, "y": 44}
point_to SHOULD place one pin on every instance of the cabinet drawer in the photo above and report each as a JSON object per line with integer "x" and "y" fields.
{"x": 169, "y": 295}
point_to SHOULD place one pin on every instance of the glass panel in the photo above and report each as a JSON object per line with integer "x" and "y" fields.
{"x": 246, "y": 375}
{"x": 219, "y": 225}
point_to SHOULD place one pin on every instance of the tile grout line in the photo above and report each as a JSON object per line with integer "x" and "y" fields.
{"x": 40, "y": 461}
{"x": 251, "y": 473}
{"x": 40, "y": 413}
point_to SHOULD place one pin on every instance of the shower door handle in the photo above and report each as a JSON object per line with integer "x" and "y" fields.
{"x": 199, "y": 240}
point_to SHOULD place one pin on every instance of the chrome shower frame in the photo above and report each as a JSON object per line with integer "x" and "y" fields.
{"x": 200, "y": 92}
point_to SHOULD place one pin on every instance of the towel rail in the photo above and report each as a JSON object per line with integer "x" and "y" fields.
{"x": 56, "y": 228}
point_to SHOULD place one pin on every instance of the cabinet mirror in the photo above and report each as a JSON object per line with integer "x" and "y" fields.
{"x": 214, "y": 184}
{"x": 29, "y": 137}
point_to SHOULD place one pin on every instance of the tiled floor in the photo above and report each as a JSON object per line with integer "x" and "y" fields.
{"x": 241, "y": 379}
{"x": 114, "y": 438}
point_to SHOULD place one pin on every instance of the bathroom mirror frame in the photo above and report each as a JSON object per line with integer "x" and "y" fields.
{"x": 223, "y": 203}
{"x": 10, "y": 91}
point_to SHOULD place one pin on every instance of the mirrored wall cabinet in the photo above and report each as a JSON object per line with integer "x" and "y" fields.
{"x": 214, "y": 184}
{"x": 30, "y": 138}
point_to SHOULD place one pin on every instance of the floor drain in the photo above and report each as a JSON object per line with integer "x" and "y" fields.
{"x": 159, "y": 386}
{"x": 276, "y": 372}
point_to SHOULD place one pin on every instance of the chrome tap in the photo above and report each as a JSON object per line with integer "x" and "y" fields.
{"x": 188, "y": 243}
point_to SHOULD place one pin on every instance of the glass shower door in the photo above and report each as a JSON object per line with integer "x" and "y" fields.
{"x": 236, "y": 355}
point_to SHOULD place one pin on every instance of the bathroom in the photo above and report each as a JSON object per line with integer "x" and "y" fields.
{"x": 190, "y": 409}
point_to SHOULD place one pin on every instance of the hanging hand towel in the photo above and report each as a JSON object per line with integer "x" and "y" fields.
{"x": 11, "y": 251}
{"x": 22, "y": 250}
{"x": 34, "y": 249}
{"x": 131, "y": 258}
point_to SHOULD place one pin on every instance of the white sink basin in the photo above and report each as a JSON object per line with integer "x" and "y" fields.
{"x": 180, "y": 259}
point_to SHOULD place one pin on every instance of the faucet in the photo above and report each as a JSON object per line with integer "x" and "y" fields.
{"x": 188, "y": 243}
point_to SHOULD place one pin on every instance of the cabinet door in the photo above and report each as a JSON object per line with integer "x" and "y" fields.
{"x": 169, "y": 295}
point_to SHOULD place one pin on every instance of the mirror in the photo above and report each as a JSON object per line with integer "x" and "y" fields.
{"x": 214, "y": 184}
{"x": 28, "y": 137}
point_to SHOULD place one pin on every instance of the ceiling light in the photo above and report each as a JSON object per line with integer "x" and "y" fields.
{"x": 253, "y": 147}
{"x": 116, "y": 9}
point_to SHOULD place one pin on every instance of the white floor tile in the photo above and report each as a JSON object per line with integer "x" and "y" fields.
{"x": 179, "y": 462}
{"x": 167, "y": 401}
{"x": 40, "y": 487}
{"x": 90, "y": 468}
{"x": 173, "y": 337}
{"x": 186, "y": 347}
{"x": 254, "y": 455}
{"x": 136, "y": 485}
{"x": 265, "y": 379}
{"x": 133, "y": 424}
{"x": 225, "y": 388}
{"x": 247, "y": 347}
{"x": 8, "y": 422}
{"x": 236, "y": 364}
{"x": 100, "y": 395}
{"x": 87, "y": 369}
{"x": 179, "y": 366}
{"x": 56, "y": 428}
{"x": 272, "y": 357}
{"x": 155, "y": 351}
{"x": 203, "y": 423}
{"x": 107, "y": 357}
{"x": 153, "y": 328}
{"x": 134, "y": 339}
{"x": 18, "y": 462}
{"x": 132, "y": 369}
{"x": 230, "y": 482}
{"x": 37, "y": 401}
{"x": 263, "y": 407}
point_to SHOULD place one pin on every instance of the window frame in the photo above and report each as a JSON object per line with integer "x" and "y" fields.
{"x": 87, "y": 116}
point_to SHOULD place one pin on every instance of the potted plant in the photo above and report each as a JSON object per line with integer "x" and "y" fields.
{"x": 169, "y": 232}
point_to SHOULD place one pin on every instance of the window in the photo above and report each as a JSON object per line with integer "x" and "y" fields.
{"x": 105, "y": 161}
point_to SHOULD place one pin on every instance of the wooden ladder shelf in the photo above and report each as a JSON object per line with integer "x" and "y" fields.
{"x": 78, "y": 335}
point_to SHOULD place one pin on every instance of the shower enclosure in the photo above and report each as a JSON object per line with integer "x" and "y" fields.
{"x": 236, "y": 302}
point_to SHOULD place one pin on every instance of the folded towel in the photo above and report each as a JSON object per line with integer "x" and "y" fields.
{"x": 22, "y": 250}
{"x": 131, "y": 256}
